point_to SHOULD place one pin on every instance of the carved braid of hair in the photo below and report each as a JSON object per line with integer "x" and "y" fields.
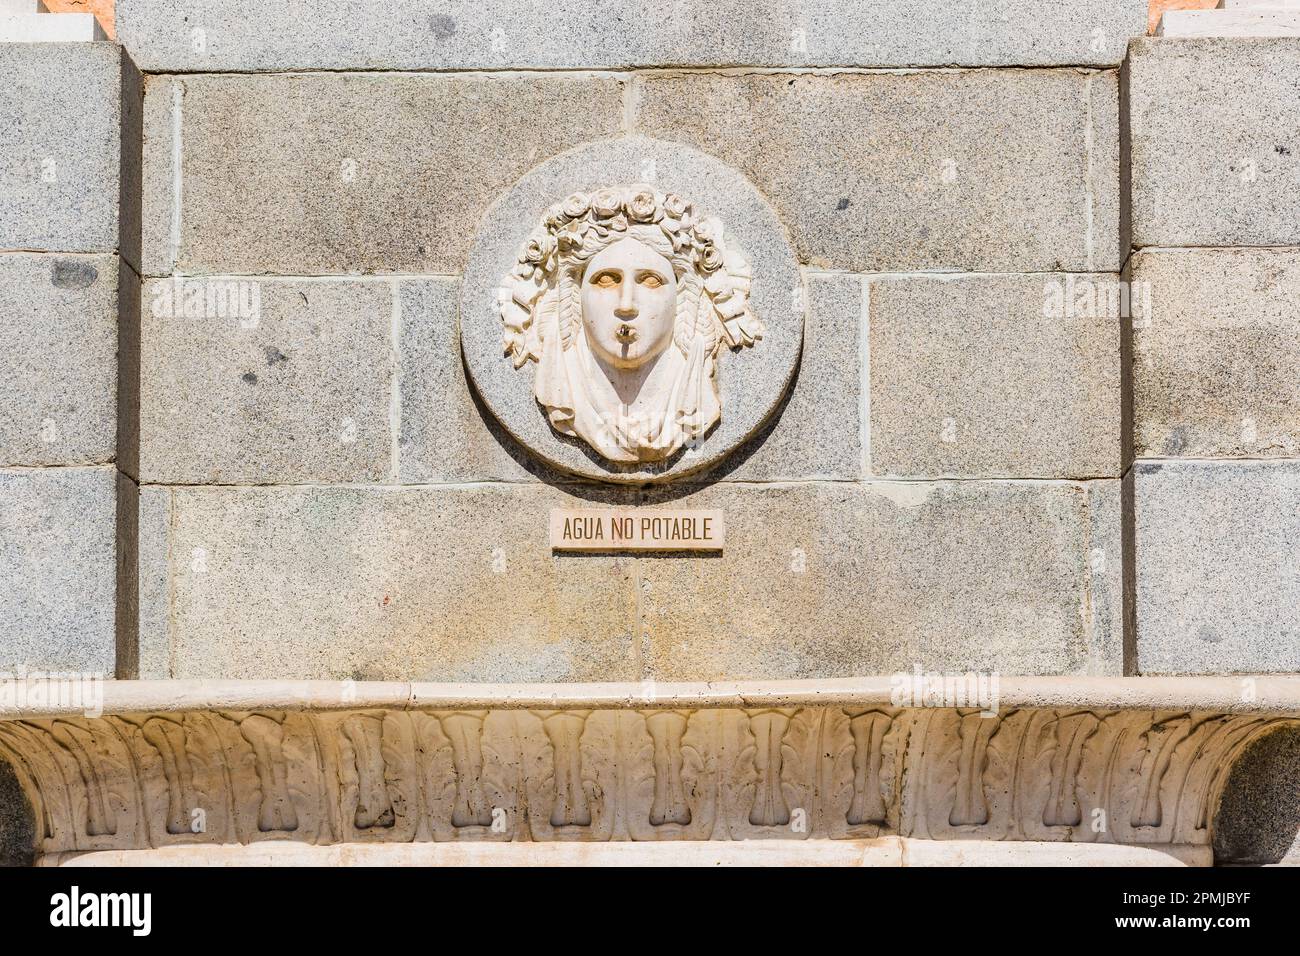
{"x": 570, "y": 304}
{"x": 689, "y": 307}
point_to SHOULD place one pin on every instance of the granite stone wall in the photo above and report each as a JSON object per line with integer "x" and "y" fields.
{"x": 1045, "y": 419}
{"x": 68, "y": 263}
{"x": 325, "y": 496}
{"x": 1215, "y": 199}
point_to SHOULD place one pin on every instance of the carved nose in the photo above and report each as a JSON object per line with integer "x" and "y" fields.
{"x": 626, "y": 308}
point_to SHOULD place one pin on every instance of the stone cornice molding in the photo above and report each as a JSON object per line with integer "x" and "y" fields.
{"x": 1131, "y": 761}
{"x": 1243, "y": 694}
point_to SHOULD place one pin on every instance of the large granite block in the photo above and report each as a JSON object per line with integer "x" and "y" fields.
{"x": 1215, "y": 154}
{"x": 445, "y": 435}
{"x": 445, "y": 584}
{"x": 189, "y": 35}
{"x": 160, "y": 153}
{"x": 1268, "y": 18}
{"x": 837, "y": 579}
{"x": 994, "y": 376}
{"x": 1218, "y": 578}
{"x": 29, "y": 22}
{"x": 60, "y": 145}
{"x": 57, "y": 565}
{"x": 994, "y": 170}
{"x": 146, "y": 652}
{"x": 459, "y": 583}
{"x": 58, "y": 359}
{"x": 818, "y": 432}
{"x": 259, "y": 381}
{"x": 335, "y": 173}
{"x": 1216, "y": 369}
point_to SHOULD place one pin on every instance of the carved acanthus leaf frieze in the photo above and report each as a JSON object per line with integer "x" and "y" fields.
{"x": 152, "y": 780}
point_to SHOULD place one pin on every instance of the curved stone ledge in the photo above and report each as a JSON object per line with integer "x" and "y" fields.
{"x": 1131, "y": 762}
{"x": 1244, "y": 694}
{"x": 882, "y": 852}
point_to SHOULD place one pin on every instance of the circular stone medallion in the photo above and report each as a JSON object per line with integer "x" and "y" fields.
{"x": 632, "y": 310}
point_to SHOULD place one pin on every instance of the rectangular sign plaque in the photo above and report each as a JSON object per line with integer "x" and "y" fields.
{"x": 637, "y": 529}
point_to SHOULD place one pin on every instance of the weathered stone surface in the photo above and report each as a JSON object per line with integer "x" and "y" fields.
{"x": 436, "y": 584}
{"x": 17, "y": 821}
{"x": 348, "y": 173}
{"x": 128, "y": 372}
{"x": 1216, "y": 368}
{"x": 1104, "y": 606}
{"x": 1230, "y": 23}
{"x": 1257, "y": 820}
{"x": 445, "y": 435}
{"x": 102, "y": 10}
{"x": 629, "y": 767}
{"x": 384, "y": 583}
{"x": 1215, "y": 163}
{"x": 259, "y": 381}
{"x": 43, "y": 28}
{"x": 61, "y": 152}
{"x": 458, "y": 34}
{"x": 58, "y": 359}
{"x": 57, "y": 565}
{"x": 843, "y": 579}
{"x": 753, "y": 379}
{"x": 969, "y": 170}
{"x": 971, "y": 376}
{"x": 151, "y": 652}
{"x": 127, "y": 574}
{"x": 1217, "y": 584}
{"x": 130, "y": 163}
{"x": 161, "y": 140}
{"x": 885, "y": 851}
{"x": 819, "y": 431}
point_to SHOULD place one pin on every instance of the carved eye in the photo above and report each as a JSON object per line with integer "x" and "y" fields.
{"x": 651, "y": 281}
{"x": 606, "y": 280}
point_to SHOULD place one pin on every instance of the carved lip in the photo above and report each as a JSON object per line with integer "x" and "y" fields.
{"x": 625, "y": 333}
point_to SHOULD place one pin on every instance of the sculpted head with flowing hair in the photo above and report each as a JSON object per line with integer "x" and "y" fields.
{"x": 624, "y": 298}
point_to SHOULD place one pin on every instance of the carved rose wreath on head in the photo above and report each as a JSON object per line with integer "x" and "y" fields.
{"x": 541, "y": 310}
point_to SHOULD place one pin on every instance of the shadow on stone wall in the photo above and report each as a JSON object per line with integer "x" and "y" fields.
{"x": 17, "y": 822}
{"x": 1258, "y": 818}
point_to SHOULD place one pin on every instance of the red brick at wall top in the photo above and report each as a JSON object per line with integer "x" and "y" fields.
{"x": 102, "y": 9}
{"x": 1160, "y": 6}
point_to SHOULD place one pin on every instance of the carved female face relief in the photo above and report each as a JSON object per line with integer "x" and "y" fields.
{"x": 624, "y": 299}
{"x": 629, "y": 304}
